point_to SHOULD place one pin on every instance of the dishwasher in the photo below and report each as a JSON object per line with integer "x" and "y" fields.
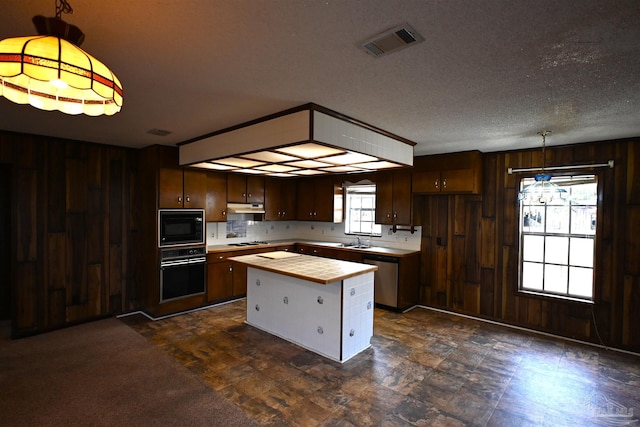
{"x": 385, "y": 279}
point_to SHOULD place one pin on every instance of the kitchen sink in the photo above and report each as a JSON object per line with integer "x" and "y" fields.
{"x": 353, "y": 245}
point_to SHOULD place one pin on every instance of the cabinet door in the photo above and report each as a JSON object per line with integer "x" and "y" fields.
{"x": 170, "y": 188}
{"x": 402, "y": 198}
{"x": 384, "y": 198}
{"x": 272, "y": 199}
{"x": 288, "y": 199}
{"x": 219, "y": 281}
{"x": 459, "y": 181}
{"x": 236, "y": 188}
{"x": 324, "y": 192}
{"x": 239, "y": 279}
{"x": 306, "y": 199}
{"x": 195, "y": 189}
{"x": 255, "y": 189}
{"x": 426, "y": 182}
{"x": 216, "y": 197}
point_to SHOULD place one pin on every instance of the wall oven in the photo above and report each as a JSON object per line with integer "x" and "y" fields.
{"x": 180, "y": 227}
{"x": 182, "y": 272}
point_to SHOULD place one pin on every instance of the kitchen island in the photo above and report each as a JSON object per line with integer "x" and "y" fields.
{"x": 324, "y": 305}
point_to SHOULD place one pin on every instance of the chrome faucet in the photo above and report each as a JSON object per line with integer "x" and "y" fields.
{"x": 359, "y": 241}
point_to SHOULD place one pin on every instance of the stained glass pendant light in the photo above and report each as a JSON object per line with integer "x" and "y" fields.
{"x": 542, "y": 191}
{"x": 50, "y": 71}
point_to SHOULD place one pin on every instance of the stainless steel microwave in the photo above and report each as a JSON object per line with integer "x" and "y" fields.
{"x": 180, "y": 227}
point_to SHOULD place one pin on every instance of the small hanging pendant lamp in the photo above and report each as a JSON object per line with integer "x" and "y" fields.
{"x": 542, "y": 191}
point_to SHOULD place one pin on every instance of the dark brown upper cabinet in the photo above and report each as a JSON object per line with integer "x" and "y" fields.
{"x": 279, "y": 199}
{"x": 182, "y": 188}
{"x": 245, "y": 189}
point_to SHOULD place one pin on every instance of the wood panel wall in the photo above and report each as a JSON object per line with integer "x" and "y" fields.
{"x": 74, "y": 227}
{"x": 470, "y": 249}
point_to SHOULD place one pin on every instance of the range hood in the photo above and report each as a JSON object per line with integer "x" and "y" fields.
{"x": 245, "y": 208}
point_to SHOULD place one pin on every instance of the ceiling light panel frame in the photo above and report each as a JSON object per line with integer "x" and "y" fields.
{"x": 306, "y": 140}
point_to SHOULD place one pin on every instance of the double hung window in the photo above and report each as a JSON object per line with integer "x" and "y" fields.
{"x": 361, "y": 210}
{"x": 557, "y": 239}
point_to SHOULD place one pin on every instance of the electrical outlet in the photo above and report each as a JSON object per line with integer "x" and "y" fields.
{"x": 406, "y": 239}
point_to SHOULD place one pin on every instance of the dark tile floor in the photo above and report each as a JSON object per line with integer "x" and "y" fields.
{"x": 424, "y": 368}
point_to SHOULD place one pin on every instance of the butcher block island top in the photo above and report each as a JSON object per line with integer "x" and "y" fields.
{"x": 305, "y": 267}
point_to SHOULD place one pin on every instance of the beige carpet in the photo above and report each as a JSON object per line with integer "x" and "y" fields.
{"x": 103, "y": 373}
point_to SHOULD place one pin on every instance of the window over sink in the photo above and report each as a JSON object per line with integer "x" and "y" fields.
{"x": 360, "y": 208}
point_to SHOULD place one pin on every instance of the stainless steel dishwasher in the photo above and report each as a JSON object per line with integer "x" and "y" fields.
{"x": 385, "y": 280}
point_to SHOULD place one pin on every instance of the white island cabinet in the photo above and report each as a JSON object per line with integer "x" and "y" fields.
{"x": 321, "y": 304}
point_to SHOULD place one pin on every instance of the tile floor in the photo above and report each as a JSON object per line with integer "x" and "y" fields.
{"x": 424, "y": 368}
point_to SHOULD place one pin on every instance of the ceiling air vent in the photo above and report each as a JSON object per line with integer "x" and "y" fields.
{"x": 392, "y": 40}
{"x": 159, "y": 132}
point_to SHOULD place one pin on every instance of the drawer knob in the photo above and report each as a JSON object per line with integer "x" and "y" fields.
{"x": 352, "y": 333}
{"x": 285, "y": 300}
{"x": 257, "y": 282}
{"x": 257, "y": 307}
{"x": 320, "y": 330}
{"x": 320, "y": 300}
{"x": 353, "y": 292}
{"x": 369, "y": 305}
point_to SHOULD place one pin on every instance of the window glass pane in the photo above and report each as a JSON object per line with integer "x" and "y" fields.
{"x": 532, "y": 276}
{"x": 533, "y": 219}
{"x": 555, "y": 278}
{"x": 585, "y": 194}
{"x": 581, "y": 253}
{"x": 557, "y": 250}
{"x": 583, "y": 220}
{"x": 581, "y": 282}
{"x": 558, "y": 219}
{"x": 533, "y": 248}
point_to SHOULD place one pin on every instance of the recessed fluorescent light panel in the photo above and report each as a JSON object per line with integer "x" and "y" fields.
{"x": 307, "y": 140}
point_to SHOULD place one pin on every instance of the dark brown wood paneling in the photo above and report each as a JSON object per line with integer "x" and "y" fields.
{"x": 60, "y": 219}
{"x": 56, "y": 187}
{"x": 494, "y": 227}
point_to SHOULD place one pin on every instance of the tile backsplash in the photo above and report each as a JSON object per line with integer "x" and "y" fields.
{"x": 307, "y": 230}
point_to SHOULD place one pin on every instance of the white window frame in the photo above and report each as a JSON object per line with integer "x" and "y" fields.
{"x": 358, "y": 220}
{"x": 544, "y": 240}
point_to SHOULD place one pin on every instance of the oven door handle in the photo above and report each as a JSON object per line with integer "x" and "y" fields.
{"x": 174, "y": 263}
{"x": 198, "y": 260}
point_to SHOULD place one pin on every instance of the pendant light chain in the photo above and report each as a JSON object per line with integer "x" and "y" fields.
{"x": 62, "y": 6}
{"x": 544, "y": 133}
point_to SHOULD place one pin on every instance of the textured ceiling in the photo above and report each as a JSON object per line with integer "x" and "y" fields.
{"x": 489, "y": 75}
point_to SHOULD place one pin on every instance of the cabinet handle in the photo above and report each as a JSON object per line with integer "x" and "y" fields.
{"x": 244, "y": 195}
{"x": 320, "y": 330}
{"x": 179, "y": 199}
{"x": 224, "y": 213}
{"x": 257, "y": 282}
{"x": 388, "y": 214}
{"x": 395, "y": 215}
{"x": 188, "y": 198}
{"x": 369, "y": 305}
{"x": 249, "y": 195}
{"x": 320, "y": 300}
{"x": 353, "y": 292}
{"x": 444, "y": 183}
{"x": 257, "y": 307}
{"x": 230, "y": 268}
{"x": 352, "y": 333}
{"x": 436, "y": 183}
{"x": 285, "y": 300}
{"x": 283, "y": 213}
